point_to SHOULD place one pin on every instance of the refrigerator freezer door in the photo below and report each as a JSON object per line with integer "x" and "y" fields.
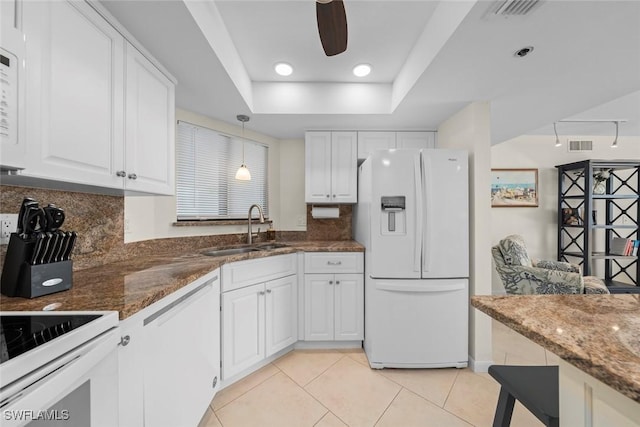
{"x": 445, "y": 235}
{"x": 395, "y": 230}
{"x": 417, "y": 323}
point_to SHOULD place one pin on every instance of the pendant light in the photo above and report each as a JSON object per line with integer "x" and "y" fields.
{"x": 243, "y": 173}
{"x": 615, "y": 141}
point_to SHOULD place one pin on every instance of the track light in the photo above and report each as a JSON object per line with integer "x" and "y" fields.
{"x": 558, "y": 144}
{"x": 615, "y": 141}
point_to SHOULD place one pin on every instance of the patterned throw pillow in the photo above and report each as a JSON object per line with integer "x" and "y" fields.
{"x": 514, "y": 251}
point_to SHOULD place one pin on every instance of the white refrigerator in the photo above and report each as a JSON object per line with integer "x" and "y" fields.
{"x": 412, "y": 217}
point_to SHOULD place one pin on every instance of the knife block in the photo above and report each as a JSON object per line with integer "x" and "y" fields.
{"x": 21, "y": 279}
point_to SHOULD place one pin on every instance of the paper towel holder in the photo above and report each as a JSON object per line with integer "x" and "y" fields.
{"x": 325, "y": 211}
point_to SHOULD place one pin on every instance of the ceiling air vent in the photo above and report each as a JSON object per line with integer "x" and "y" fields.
{"x": 509, "y": 8}
{"x": 579, "y": 145}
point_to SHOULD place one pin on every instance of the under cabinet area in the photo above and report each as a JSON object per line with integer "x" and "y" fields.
{"x": 171, "y": 347}
{"x": 331, "y": 169}
{"x": 259, "y": 311}
{"x": 333, "y": 297}
{"x": 99, "y": 113}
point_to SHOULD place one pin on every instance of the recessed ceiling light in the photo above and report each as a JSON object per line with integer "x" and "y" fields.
{"x": 361, "y": 70}
{"x": 283, "y": 69}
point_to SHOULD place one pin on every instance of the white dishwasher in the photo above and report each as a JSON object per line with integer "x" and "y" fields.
{"x": 180, "y": 376}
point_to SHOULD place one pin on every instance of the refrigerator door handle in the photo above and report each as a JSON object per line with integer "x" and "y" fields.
{"x": 426, "y": 194}
{"x": 418, "y": 287}
{"x": 417, "y": 250}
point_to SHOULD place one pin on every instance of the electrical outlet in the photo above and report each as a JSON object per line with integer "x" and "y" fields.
{"x": 301, "y": 221}
{"x": 8, "y": 225}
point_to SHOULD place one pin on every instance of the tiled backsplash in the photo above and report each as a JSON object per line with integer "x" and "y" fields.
{"x": 99, "y": 222}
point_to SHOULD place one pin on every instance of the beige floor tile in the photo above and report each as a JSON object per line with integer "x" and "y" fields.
{"x": 360, "y": 357}
{"x": 236, "y": 390}
{"x": 473, "y": 398}
{"x": 523, "y": 418}
{"x": 304, "y": 366}
{"x": 330, "y": 420}
{"x": 209, "y": 419}
{"x": 354, "y": 393}
{"x": 410, "y": 410}
{"x": 277, "y": 402}
{"x": 432, "y": 384}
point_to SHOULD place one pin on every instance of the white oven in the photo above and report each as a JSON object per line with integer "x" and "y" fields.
{"x": 59, "y": 369}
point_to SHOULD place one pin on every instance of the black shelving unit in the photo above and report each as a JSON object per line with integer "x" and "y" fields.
{"x": 601, "y": 217}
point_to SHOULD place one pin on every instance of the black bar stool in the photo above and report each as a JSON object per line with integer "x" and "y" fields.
{"x": 536, "y": 387}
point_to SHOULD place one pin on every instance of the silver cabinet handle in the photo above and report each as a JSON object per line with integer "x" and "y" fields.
{"x": 327, "y": 196}
{"x": 334, "y": 196}
{"x": 124, "y": 341}
{"x": 334, "y": 262}
{"x": 133, "y": 176}
{"x": 268, "y": 291}
{"x": 121, "y": 174}
{"x": 215, "y": 381}
{"x": 337, "y": 282}
{"x": 261, "y": 293}
{"x": 331, "y": 282}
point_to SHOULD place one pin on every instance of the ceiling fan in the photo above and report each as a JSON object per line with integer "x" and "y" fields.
{"x": 332, "y": 26}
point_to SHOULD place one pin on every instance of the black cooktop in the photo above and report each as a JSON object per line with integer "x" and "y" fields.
{"x": 21, "y": 333}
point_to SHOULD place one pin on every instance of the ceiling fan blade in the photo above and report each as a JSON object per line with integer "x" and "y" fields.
{"x": 332, "y": 26}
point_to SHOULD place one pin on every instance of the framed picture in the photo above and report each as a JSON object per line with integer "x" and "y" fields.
{"x": 512, "y": 188}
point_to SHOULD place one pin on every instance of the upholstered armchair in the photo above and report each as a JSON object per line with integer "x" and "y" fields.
{"x": 520, "y": 275}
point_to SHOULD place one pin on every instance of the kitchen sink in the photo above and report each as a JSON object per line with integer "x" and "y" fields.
{"x": 269, "y": 246}
{"x": 230, "y": 251}
{"x": 245, "y": 249}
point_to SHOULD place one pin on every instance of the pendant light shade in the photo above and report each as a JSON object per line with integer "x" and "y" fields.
{"x": 558, "y": 143}
{"x": 243, "y": 173}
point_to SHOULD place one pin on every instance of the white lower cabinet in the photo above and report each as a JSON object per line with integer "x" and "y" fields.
{"x": 257, "y": 321}
{"x": 334, "y": 307}
{"x": 333, "y": 296}
{"x": 170, "y": 357}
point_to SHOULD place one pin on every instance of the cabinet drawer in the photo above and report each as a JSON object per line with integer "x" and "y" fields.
{"x": 333, "y": 262}
{"x": 243, "y": 273}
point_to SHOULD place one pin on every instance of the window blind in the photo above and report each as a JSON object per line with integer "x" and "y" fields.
{"x": 206, "y": 164}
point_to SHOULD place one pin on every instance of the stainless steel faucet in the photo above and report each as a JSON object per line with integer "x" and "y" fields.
{"x": 249, "y": 236}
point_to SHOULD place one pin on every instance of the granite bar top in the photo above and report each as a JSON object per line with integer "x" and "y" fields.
{"x": 131, "y": 285}
{"x": 599, "y": 334}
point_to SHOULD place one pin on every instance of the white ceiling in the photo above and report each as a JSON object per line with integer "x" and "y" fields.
{"x": 429, "y": 60}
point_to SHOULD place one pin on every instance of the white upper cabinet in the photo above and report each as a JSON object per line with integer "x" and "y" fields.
{"x": 331, "y": 167}
{"x": 415, "y": 140}
{"x": 150, "y": 127}
{"x": 74, "y": 94}
{"x": 368, "y": 142}
{"x": 97, "y": 112}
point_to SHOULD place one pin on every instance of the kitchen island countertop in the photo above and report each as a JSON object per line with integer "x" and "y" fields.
{"x": 129, "y": 286}
{"x": 598, "y": 334}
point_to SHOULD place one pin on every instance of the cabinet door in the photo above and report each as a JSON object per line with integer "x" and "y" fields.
{"x": 180, "y": 345}
{"x": 242, "y": 329}
{"x": 317, "y": 152}
{"x": 150, "y": 127}
{"x": 281, "y": 314}
{"x": 368, "y": 142}
{"x": 415, "y": 139}
{"x": 349, "y": 307}
{"x": 130, "y": 372}
{"x": 74, "y": 94}
{"x": 344, "y": 167}
{"x": 318, "y": 307}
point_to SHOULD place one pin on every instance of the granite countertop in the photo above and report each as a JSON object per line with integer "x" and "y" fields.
{"x": 131, "y": 285}
{"x": 599, "y": 334}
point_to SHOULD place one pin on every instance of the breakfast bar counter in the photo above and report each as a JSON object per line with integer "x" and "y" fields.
{"x": 596, "y": 337}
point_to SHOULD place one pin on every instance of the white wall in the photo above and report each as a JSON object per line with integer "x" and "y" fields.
{"x": 151, "y": 217}
{"x": 538, "y": 225}
{"x": 469, "y": 129}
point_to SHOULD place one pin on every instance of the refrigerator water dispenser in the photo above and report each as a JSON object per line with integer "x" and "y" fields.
{"x": 393, "y": 219}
